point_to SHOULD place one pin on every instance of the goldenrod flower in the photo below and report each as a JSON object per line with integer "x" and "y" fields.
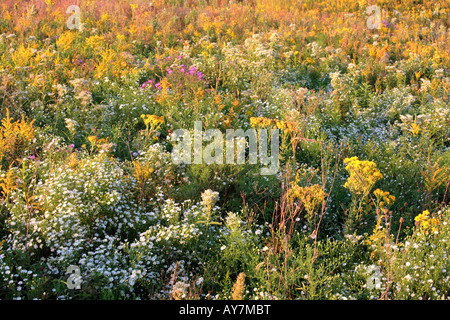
{"x": 363, "y": 175}
{"x": 415, "y": 128}
{"x": 152, "y": 120}
{"x": 95, "y": 41}
{"x": 423, "y": 216}
{"x": 311, "y": 197}
{"x": 261, "y": 122}
{"x": 384, "y": 199}
{"x": 425, "y": 223}
{"x": 92, "y": 139}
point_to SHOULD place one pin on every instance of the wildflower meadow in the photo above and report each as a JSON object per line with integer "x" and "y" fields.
{"x": 224, "y": 150}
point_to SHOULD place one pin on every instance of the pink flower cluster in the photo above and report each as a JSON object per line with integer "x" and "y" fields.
{"x": 191, "y": 71}
{"x": 150, "y": 82}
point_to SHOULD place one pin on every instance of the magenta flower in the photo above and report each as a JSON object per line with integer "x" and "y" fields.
{"x": 145, "y": 84}
{"x": 192, "y": 70}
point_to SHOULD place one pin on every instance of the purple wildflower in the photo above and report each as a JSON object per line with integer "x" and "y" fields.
{"x": 145, "y": 84}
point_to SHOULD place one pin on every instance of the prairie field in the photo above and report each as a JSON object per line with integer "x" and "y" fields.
{"x": 117, "y": 183}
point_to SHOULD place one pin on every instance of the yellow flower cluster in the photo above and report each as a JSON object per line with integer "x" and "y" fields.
{"x": 152, "y": 124}
{"x": 415, "y": 127}
{"x": 311, "y": 197}
{"x": 363, "y": 175}
{"x": 150, "y": 119}
{"x": 143, "y": 172}
{"x": 286, "y": 126}
{"x": 8, "y": 183}
{"x": 377, "y": 240}
{"x": 15, "y": 136}
{"x": 72, "y": 160}
{"x": 95, "y": 41}
{"x": 384, "y": 199}
{"x": 94, "y": 140}
{"x": 427, "y": 223}
{"x": 262, "y": 122}
{"x": 65, "y": 40}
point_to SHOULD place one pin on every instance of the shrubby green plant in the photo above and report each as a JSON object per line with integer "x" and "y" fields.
{"x": 425, "y": 250}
